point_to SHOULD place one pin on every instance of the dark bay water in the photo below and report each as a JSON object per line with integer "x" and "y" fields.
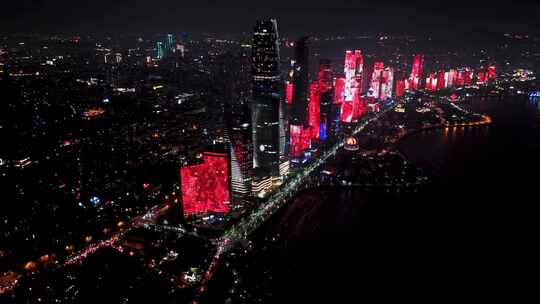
{"x": 468, "y": 236}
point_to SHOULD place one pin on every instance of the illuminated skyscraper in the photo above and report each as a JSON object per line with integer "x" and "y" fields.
{"x": 239, "y": 128}
{"x": 266, "y": 98}
{"x": 400, "y": 88}
{"x": 491, "y": 72}
{"x": 387, "y": 83}
{"x": 170, "y": 42}
{"x": 314, "y": 110}
{"x": 339, "y": 90}
{"x": 300, "y": 131}
{"x": 301, "y": 82}
{"x": 376, "y": 80}
{"x": 160, "y": 52}
{"x": 416, "y": 72}
{"x": 324, "y": 75}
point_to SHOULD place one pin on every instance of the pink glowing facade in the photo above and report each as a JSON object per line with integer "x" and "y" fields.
{"x": 376, "y": 80}
{"x": 205, "y": 187}
{"x": 354, "y": 66}
{"x": 491, "y": 72}
{"x": 481, "y": 77}
{"x": 339, "y": 90}
{"x": 324, "y": 76}
{"x": 387, "y": 83}
{"x": 349, "y": 69}
{"x": 416, "y": 73}
{"x": 300, "y": 141}
{"x": 400, "y": 88}
{"x": 431, "y": 82}
{"x": 346, "y": 112}
{"x": 289, "y": 88}
{"x": 314, "y": 109}
{"x": 441, "y": 80}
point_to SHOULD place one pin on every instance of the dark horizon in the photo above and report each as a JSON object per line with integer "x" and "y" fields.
{"x": 386, "y": 16}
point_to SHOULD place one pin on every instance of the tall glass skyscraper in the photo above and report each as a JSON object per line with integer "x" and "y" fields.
{"x": 159, "y": 49}
{"x": 266, "y": 98}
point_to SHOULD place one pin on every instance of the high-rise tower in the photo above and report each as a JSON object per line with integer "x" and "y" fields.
{"x": 266, "y": 98}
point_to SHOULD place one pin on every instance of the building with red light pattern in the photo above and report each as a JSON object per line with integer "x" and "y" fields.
{"x": 431, "y": 82}
{"x": 314, "y": 109}
{"x": 376, "y": 79}
{"x": 354, "y": 65}
{"x": 441, "y": 82}
{"x": 387, "y": 82}
{"x": 416, "y": 72}
{"x": 481, "y": 77}
{"x": 324, "y": 75}
{"x": 400, "y": 88}
{"x": 339, "y": 90}
{"x": 491, "y": 72}
{"x": 289, "y": 88}
{"x": 205, "y": 186}
{"x": 300, "y": 141}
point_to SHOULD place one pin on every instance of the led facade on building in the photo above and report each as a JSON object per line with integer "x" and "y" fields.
{"x": 314, "y": 109}
{"x": 205, "y": 187}
{"x": 416, "y": 72}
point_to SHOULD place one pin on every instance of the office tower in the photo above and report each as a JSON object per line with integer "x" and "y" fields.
{"x": 376, "y": 79}
{"x": 339, "y": 90}
{"x": 354, "y": 66}
{"x": 289, "y": 88}
{"x": 387, "y": 83}
{"x": 300, "y": 131}
{"x": 238, "y": 120}
{"x": 325, "y": 75}
{"x": 205, "y": 186}
{"x": 431, "y": 82}
{"x": 441, "y": 82}
{"x": 266, "y": 98}
{"x": 491, "y": 72}
{"x": 400, "y": 88}
{"x": 301, "y": 82}
{"x": 170, "y": 42}
{"x": 416, "y": 72}
{"x": 450, "y": 78}
{"x": 314, "y": 110}
{"x": 160, "y": 52}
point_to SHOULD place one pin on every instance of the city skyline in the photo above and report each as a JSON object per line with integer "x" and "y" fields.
{"x": 271, "y": 162}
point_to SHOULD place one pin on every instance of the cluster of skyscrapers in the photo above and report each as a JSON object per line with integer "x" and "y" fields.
{"x": 291, "y": 115}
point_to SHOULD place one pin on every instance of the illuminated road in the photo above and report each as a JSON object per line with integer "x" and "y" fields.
{"x": 144, "y": 220}
{"x": 300, "y": 181}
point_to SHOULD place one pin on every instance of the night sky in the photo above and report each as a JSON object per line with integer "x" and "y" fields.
{"x": 331, "y": 16}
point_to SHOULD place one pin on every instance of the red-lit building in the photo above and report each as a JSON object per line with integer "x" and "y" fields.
{"x": 354, "y": 65}
{"x": 481, "y": 77}
{"x": 431, "y": 82}
{"x": 300, "y": 141}
{"x": 400, "y": 88}
{"x": 339, "y": 90}
{"x": 314, "y": 110}
{"x": 416, "y": 72}
{"x": 289, "y": 87}
{"x": 491, "y": 72}
{"x": 441, "y": 80}
{"x": 205, "y": 186}
{"x": 376, "y": 80}
{"x": 387, "y": 83}
{"x": 347, "y": 112}
{"x": 325, "y": 75}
